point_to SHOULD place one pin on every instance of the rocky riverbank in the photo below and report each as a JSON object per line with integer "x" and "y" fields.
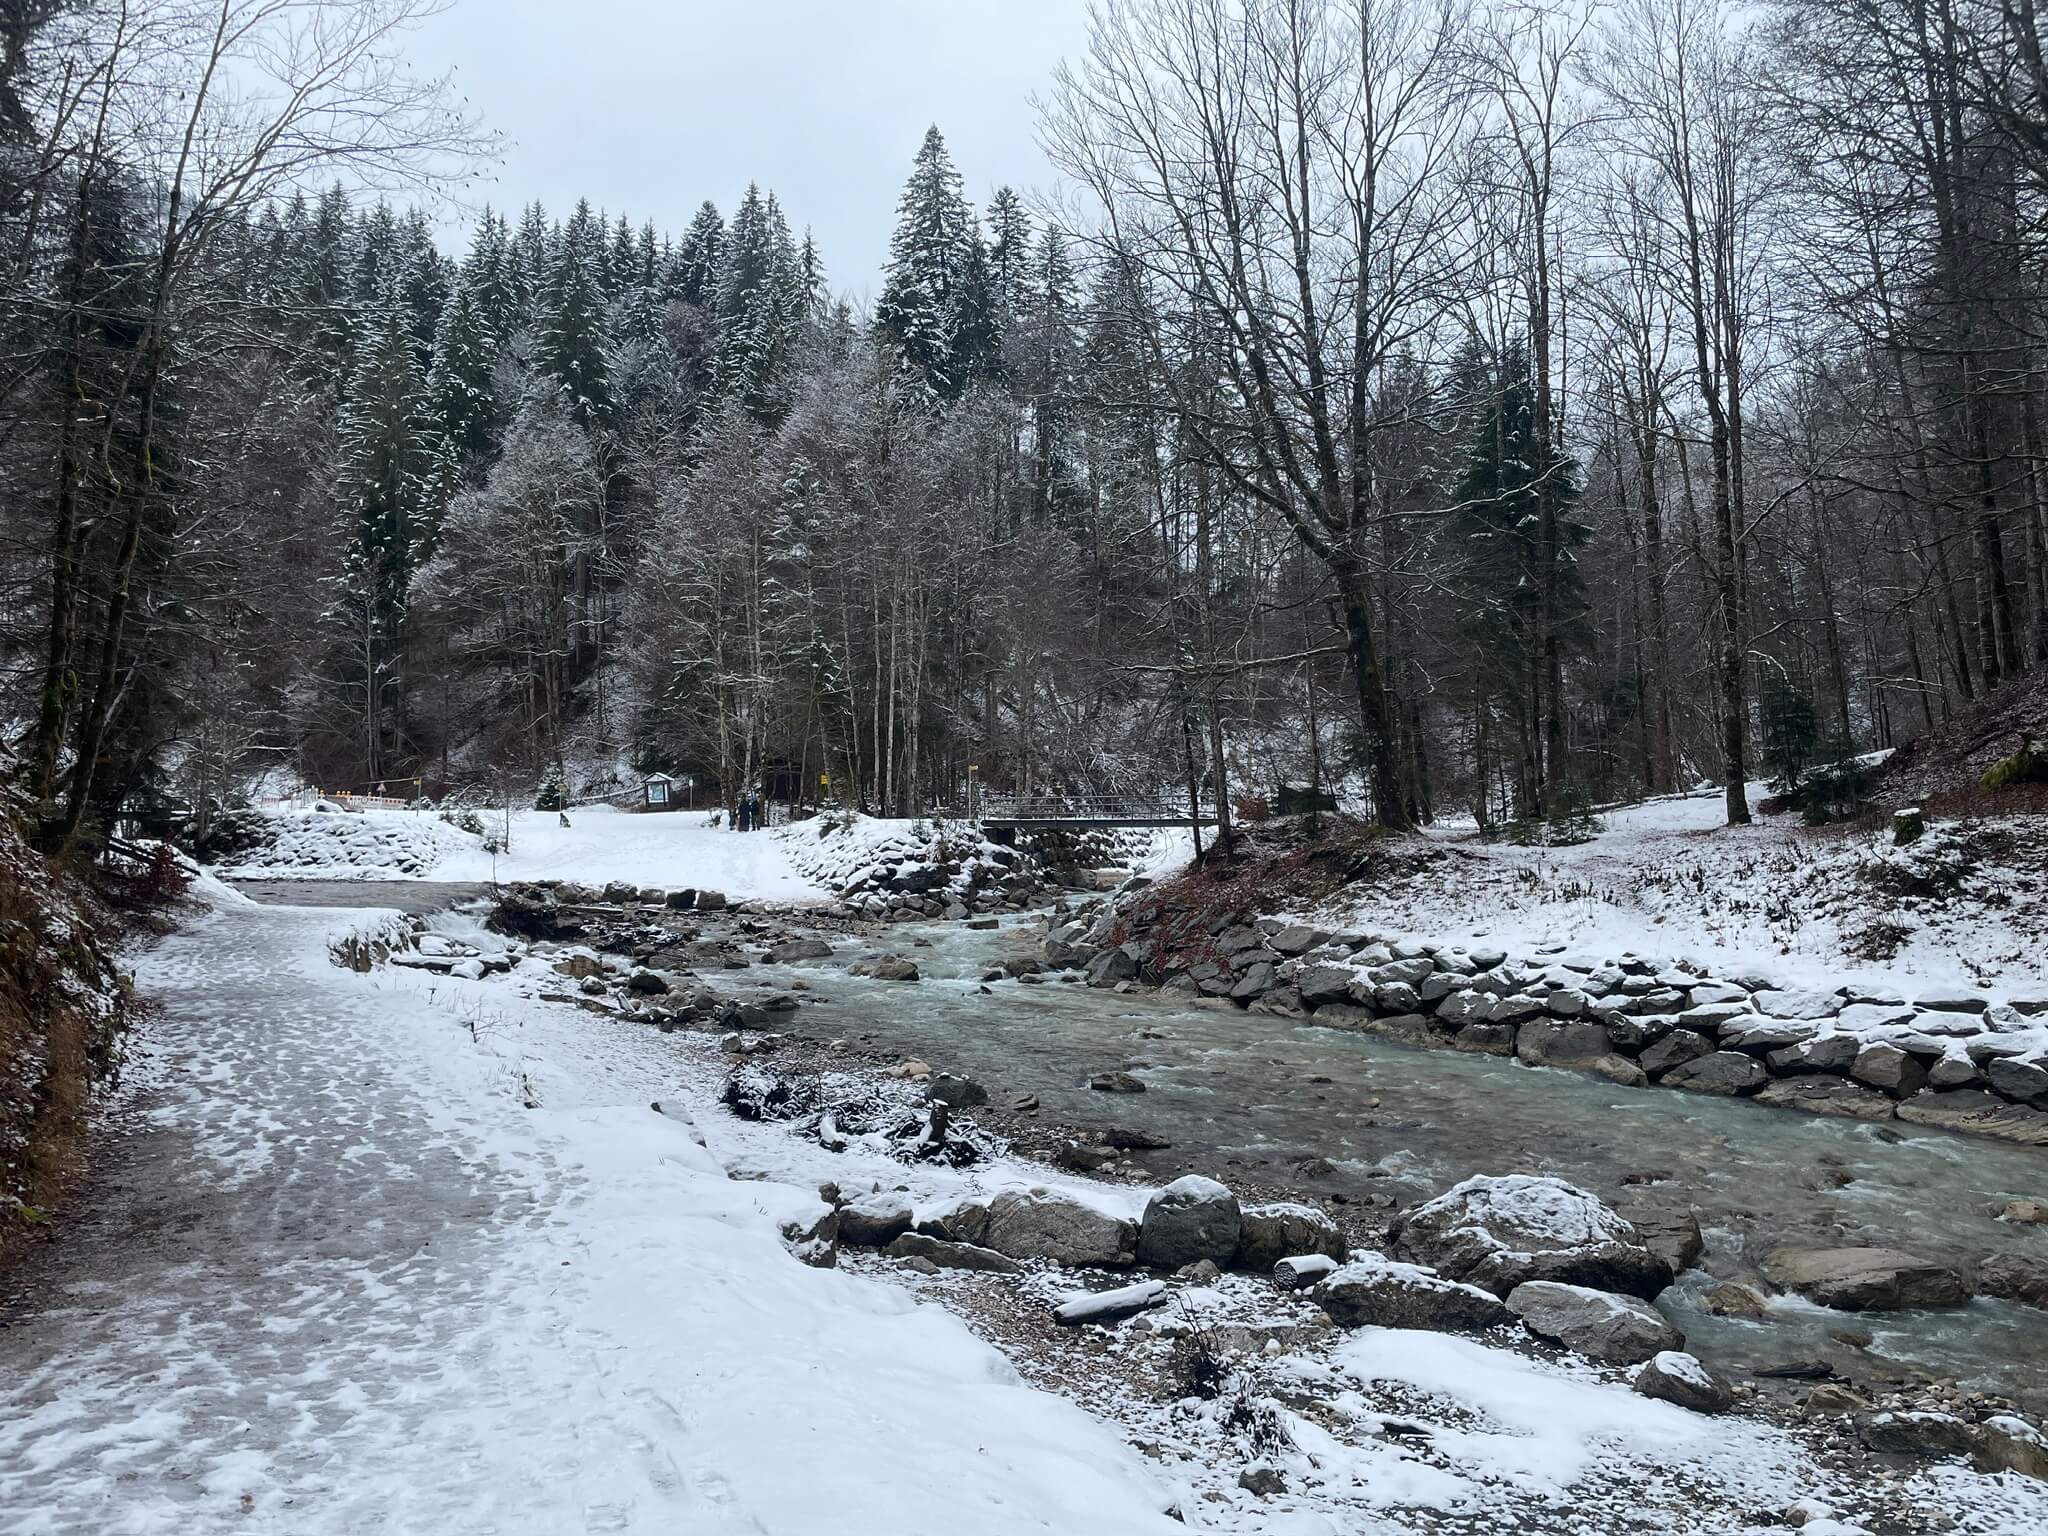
{"x": 1957, "y": 1061}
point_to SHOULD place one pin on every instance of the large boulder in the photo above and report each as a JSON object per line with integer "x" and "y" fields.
{"x": 1672, "y": 1376}
{"x": 1192, "y": 1219}
{"x": 791, "y": 952}
{"x": 1376, "y": 1292}
{"x": 1497, "y": 1231}
{"x": 2015, "y": 1277}
{"x": 1725, "y": 1072}
{"x": 1826, "y": 1096}
{"x": 1580, "y": 1047}
{"x": 1039, "y": 1224}
{"x": 1285, "y": 1230}
{"x": 1915, "y": 1433}
{"x": 1619, "y": 1330}
{"x": 1979, "y": 1113}
{"x": 1865, "y": 1279}
{"x": 874, "y": 1221}
{"x": 945, "y": 1255}
{"x": 1675, "y": 1050}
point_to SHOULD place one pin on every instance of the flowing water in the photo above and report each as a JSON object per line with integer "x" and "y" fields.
{"x": 1236, "y": 1090}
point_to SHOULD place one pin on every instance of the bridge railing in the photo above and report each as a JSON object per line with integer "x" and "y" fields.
{"x": 1136, "y": 809}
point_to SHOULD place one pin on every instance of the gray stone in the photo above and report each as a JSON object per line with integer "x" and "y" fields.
{"x": 1709, "y": 1018}
{"x": 1485, "y": 1039}
{"x": 1437, "y": 987}
{"x": 1955, "y": 1072}
{"x": 1512, "y": 1009}
{"x": 1632, "y": 1034}
{"x": 1955, "y": 1004}
{"x": 957, "y": 1092}
{"x": 1619, "y": 1330}
{"x": 1467, "y": 1007}
{"x": 1798, "y": 1005}
{"x": 1865, "y": 1279}
{"x": 1886, "y": 1066}
{"x": 1395, "y": 997}
{"x": 1834, "y": 1054}
{"x": 1116, "y": 1082}
{"x": 1193, "y": 1218}
{"x": 1660, "y": 1000}
{"x": 1410, "y": 1028}
{"x": 1302, "y": 1271}
{"x": 1725, "y": 1072}
{"x": 947, "y": 1255}
{"x": 711, "y": 901}
{"x": 1979, "y": 1114}
{"x": 1325, "y": 984}
{"x": 1257, "y": 979}
{"x": 1566, "y": 1003}
{"x": 1763, "y": 1034}
{"x": 1581, "y": 1047}
{"x": 2025, "y": 1082}
{"x": 1498, "y": 1231}
{"x": 1869, "y": 1016}
{"x": 2007, "y": 1443}
{"x": 1827, "y": 1096}
{"x": 1111, "y": 967}
{"x": 1675, "y": 1049}
{"x": 798, "y": 949}
{"x": 2015, "y": 1277}
{"x": 1039, "y": 1224}
{"x": 1901, "y": 1433}
{"x": 1295, "y": 939}
{"x": 1672, "y": 1376}
{"x": 1406, "y": 973}
{"x": 874, "y": 1221}
{"x": 1286, "y": 1230}
{"x": 1376, "y": 1292}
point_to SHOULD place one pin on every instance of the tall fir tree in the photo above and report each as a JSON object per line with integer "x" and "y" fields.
{"x": 390, "y": 484}
{"x": 918, "y": 312}
{"x": 572, "y": 317}
{"x": 699, "y": 258}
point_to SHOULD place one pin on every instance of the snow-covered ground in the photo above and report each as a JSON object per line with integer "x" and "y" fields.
{"x": 343, "y": 1280}
{"x": 600, "y": 844}
{"x": 1964, "y": 909}
{"x": 404, "y": 1253}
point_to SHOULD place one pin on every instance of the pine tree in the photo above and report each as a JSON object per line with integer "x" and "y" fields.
{"x": 463, "y": 381}
{"x": 489, "y": 273}
{"x": 699, "y": 258}
{"x": 1009, "y": 262}
{"x": 919, "y": 310}
{"x": 389, "y": 488}
{"x": 572, "y": 317}
{"x": 531, "y": 260}
{"x": 756, "y": 306}
{"x": 1054, "y": 348}
{"x": 977, "y": 337}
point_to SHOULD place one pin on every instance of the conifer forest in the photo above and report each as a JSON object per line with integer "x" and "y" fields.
{"x": 1480, "y": 410}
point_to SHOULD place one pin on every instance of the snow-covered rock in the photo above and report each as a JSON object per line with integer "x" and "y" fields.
{"x": 1191, "y": 1219}
{"x": 1619, "y": 1330}
{"x": 1497, "y": 1231}
{"x": 1672, "y": 1376}
{"x": 1376, "y": 1291}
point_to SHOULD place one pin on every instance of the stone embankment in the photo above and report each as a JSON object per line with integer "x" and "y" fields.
{"x": 1956, "y": 1061}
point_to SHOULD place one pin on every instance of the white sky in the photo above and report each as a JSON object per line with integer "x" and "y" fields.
{"x": 647, "y": 107}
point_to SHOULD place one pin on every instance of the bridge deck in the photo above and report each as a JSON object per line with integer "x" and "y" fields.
{"x": 1044, "y": 812}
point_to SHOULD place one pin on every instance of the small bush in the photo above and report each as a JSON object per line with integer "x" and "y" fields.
{"x": 144, "y": 882}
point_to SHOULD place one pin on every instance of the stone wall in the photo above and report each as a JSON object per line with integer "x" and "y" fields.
{"x": 1959, "y": 1062}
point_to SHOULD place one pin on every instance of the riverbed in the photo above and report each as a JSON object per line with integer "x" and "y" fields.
{"x": 1257, "y": 1097}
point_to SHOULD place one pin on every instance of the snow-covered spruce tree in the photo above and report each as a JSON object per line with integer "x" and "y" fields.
{"x": 699, "y": 256}
{"x": 572, "y": 317}
{"x": 1009, "y": 260}
{"x": 531, "y": 257}
{"x": 919, "y": 310}
{"x": 757, "y": 306}
{"x": 390, "y": 484}
{"x": 1054, "y": 348}
{"x": 463, "y": 380}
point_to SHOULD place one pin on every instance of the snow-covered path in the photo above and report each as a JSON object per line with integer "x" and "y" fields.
{"x": 339, "y": 1279}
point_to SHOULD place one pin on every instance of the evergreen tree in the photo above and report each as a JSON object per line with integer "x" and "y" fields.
{"x": 1054, "y": 350}
{"x": 756, "y": 305}
{"x": 463, "y": 382}
{"x": 919, "y": 309}
{"x": 1009, "y": 262}
{"x": 572, "y": 317}
{"x": 699, "y": 258}
{"x": 390, "y": 488}
{"x": 489, "y": 273}
{"x": 977, "y": 337}
{"x": 532, "y": 260}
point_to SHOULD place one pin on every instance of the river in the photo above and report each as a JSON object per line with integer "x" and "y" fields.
{"x": 1236, "y": 1091}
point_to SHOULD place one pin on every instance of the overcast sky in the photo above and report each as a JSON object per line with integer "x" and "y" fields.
{"x": 648, "y": 107}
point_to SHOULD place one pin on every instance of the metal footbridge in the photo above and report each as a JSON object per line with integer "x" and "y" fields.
{"x": 1035, "y": 813}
